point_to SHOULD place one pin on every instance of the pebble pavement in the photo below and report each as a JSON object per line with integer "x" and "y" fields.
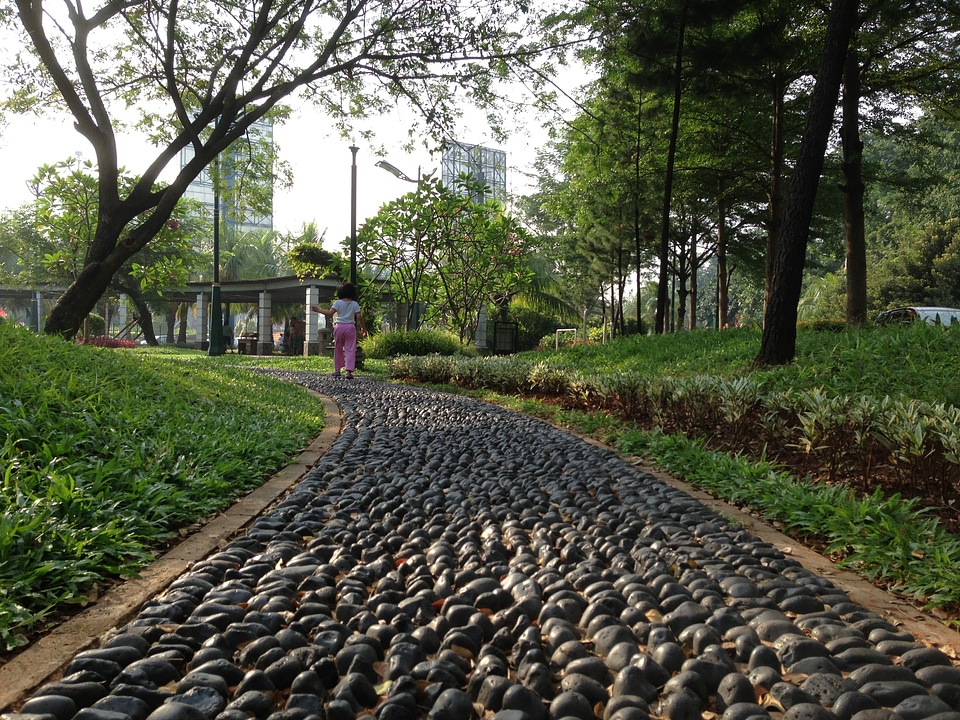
{"x": 451, "y": 560}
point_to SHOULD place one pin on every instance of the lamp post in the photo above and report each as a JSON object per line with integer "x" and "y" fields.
{"x": 216, "y": 322}
{"x": 394, "y": 170}
{"x": 353, "y": 216}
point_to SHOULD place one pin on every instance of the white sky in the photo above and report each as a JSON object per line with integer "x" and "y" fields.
{"x": 319, "y": 158}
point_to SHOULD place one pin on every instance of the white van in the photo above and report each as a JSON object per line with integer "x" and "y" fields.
{"x": 932, "y": 315}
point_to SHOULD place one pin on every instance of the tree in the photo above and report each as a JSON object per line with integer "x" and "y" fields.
{"x": 59, "y": 229}
{"x": 439, "y": 246}
{"x": 395, "y": 243}
{"x": 731, "y": 64}
{"x": 546, "y": 293}
{"x": 203, "y": 73}
{"x": 904, "y": 54}
{"x": 309, "y": 260}
{"x": 778, "y": 342}
{"x": 549, "y": 218}
{"x": 923, "y": 269}
{"x": 602, "y": 193}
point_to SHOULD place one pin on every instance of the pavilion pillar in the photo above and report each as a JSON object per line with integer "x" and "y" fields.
{"x": 122, "y": 318}
{"x": 311, "y": 345}
{"x": 265, "y": 325}
{"x": 36, "y": 312}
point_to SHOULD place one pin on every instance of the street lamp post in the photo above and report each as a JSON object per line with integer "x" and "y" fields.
{"x": 216, "y": 322}
{"x": 353, "y": 216}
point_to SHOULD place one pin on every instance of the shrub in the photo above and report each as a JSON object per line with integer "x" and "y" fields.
{"x": 97, "y": 325}
{"x": 415, "y": 342}
{"x": 564, "y": 340}
{"x": 595, "y": 335}
{"x": 532, "y": 325}
{"x": 822, "y": 325}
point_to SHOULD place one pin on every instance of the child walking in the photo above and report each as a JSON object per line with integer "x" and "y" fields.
{"x": 345, "y": 312}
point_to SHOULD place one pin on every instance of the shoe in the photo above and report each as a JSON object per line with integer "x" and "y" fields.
{"x": 335, "y": 374}
{"x": 349, "y": 375}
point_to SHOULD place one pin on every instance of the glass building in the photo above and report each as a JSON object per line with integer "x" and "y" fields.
{"x": 235, "y": 214}
{"x": 484, "y": 164}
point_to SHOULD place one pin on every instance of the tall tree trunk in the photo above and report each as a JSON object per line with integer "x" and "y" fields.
{"x": 671, "y": 307}
{"x": 67, "y": 315}
{"x": 131, "y": 288}
{"x": 183, "y": 309}
{"x": 779, "y": 342}
{"x": 682, "y": 275}
{"x": 775, "y": 199}
{"x": 852, "y": 188}
{"x": 145, "y": 319}
{"x": 664, "y": 276}
{"x": 723, "y": 303}
{"x": 692, "y": 323}
{"x": 613, "y": 306}
{"x": 622, "y": 273}
{"x": 171, "y": 322}
{"x": 636, "y": 211}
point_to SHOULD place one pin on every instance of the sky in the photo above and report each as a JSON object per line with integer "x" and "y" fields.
{"x": 319, "y": 158}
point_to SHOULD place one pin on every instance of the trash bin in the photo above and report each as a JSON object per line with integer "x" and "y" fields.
{"x": 247, "y": 344}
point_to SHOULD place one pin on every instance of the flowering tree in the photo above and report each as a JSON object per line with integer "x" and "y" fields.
{"x": 392, "y": 245}
{"x": 439, "y": 247}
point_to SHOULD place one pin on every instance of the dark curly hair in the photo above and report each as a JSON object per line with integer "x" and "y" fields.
{"x": 347, "y": 291}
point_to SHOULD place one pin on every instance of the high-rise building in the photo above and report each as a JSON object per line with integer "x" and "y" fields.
{"x": 235, "y": 213}
{"x": 485, "y": 165}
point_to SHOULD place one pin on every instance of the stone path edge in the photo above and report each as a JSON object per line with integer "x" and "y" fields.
{"x": 34, "y": 666}
{"x": 901, "y": 613}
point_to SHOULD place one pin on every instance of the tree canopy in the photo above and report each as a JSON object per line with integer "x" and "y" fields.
{"x": 50, "y": 239}
{"x": 202, "y": 73}
{"x": 701, "y": 108}
{"x": 440, "y": 248}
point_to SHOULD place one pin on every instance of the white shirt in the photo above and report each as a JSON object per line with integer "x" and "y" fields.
{"x": 345, "y": 311}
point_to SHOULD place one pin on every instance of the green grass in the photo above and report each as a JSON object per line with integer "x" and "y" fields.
{"x": 919, "y": 361}
{"x": 106, "y": 453}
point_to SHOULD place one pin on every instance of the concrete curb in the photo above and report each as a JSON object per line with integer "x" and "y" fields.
{"x": 41, "y": 660}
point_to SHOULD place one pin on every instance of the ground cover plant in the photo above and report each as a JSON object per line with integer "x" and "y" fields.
{"x": 867, "y": 417}
{"x": 107, "y": 452}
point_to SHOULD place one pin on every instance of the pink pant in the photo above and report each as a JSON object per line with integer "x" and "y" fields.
{"x": 344, "y": 346}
